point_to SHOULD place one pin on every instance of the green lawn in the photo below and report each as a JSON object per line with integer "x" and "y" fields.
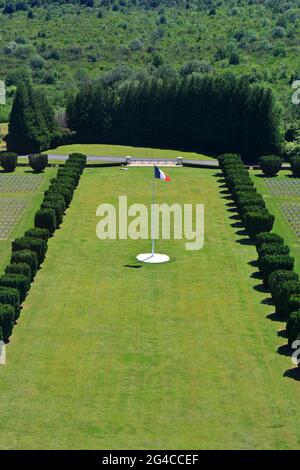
{"x": 34, "y": 199}
{"x": 175, "y": 356}
{"x": 281, "y": 226}
{"x": 123, "y": 151}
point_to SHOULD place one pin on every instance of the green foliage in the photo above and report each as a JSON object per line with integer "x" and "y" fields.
{"x": 28, "y": 243}
{"x": 46, "y": 218}
{"x": 293, "y": 327}
{"x": 179, "y": 113}
{"x": 32, "y": 127}
{"x": 7, "y": 315}
{"x": 38, "y": 162}
{"x": 267, "y": 237}
{"x": 272, "y": 249}
{"x": 28, "y": 257}
{"x": 270, "y": 165}
{"x": 295, "y": 166}
{"x": 16, "y": 281}
{"x": 277, "y": 278}
{"x": 11, "y": 296}
{"x": 19, "y": 268}
{"x": 257, "y": 221}
{"x": 9, "y": 161}
{"x": 38, "y": 233}
{"x": 271, "y": 263}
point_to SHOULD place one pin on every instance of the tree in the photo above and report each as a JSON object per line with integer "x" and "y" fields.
{"x": 270, "y": 165}
{"x": 38, "y": 162}
{"x": 32, "y": 125}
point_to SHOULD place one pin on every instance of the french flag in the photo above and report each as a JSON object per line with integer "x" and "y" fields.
{"x": 160, "y": 174}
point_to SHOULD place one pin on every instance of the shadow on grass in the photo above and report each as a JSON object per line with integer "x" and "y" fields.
{"x": 284, "y": 350}
{"x": 282, "y": 334}
{"x": 275, "y": 317}
{"x": 245, "y": 241}
{"x": 293, "y": 374}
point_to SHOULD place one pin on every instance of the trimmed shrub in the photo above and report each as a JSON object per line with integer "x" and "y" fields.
{"x": 57, "y": 206}
{"x": 7, "y": 315}
{"x": 65, "y": 192}
{"x": 46, "y": 218}
{"x": 9, "y": 161}
{"x": 38, "y": 161}
{"x": 250, "y": 208}
{"x": 69, "y": 172}
{"x": 11, "y": 296}
{"x": 258, "y": 221}
{"x": 267, "y": 237}
{"x": 285, "y": 291}
{"x": 270, "y": 165}
{"x": 28, "y": 257}
{"x": 293, "y": 327}
{"x": 271, "y": 263}
{"x": 20, "y": 268}
{"x": 272, "y": 249}
{"x": 28, "y": 243}
{"x": 240, "y": 189}
{"x": 36, "y": 232}
{"x": 16, "y": 281}
{"x": 293, "y": 304}
{"x": 279, "y": 277}
{"x": 295, "y": 166}
{"x": 63, "y": 180}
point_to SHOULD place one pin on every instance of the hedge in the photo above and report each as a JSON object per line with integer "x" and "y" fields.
{"x": 46, "y": 218}
{"x": 285, "y": 291}
{"x": 267, "y": 237}
{"x": 37, "y": 232}
{"x": 293, "y": 304}
{"x": 257, "y": 221}
{"x": 19, "y": 268}
{"x": 272, "y": 249}
{"x": 7, "y": 315}
{"x": 276, "y": 278}
{"x": 293, "y": 327}
{"x": 8, "y": 161}
{"x": 295, "y": 166}
{"x": 271, "y": 263}
{"x": 28, "y": 243}
{"x": 270, "y": 165}
{"x": 56, "y": 206}
{"x": 11, "y": 296}
{"x": 26, "y": 256}
{"x": 38, "y": 161}
{"x": 16, "y": 281}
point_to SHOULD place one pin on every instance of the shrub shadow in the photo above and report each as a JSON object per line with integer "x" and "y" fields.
{"x": 293, "y": 374}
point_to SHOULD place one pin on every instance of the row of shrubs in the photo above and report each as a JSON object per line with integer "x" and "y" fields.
{"x": 272, "y": 164}
{"x": 29, "y": 251}
{"x": 37, "y": 161}
{"x": 274, "y": 260}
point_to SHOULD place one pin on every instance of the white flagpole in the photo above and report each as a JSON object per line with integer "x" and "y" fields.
{"x": 153, "y": 214}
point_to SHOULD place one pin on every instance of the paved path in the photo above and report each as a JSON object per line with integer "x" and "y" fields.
{"x": 135, "y": 161}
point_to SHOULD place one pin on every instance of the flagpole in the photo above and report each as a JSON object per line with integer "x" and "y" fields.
{"x": 153, "y": 214}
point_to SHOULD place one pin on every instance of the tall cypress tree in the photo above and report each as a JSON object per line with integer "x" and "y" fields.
{"x": 32, "y": 125}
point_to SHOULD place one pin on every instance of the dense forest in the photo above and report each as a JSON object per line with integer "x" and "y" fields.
{"x": 60, "y": 46}
{"x": 222, "y": 114}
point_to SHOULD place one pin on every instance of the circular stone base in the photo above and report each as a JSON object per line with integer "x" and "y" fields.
{"x": 154, "y": 259}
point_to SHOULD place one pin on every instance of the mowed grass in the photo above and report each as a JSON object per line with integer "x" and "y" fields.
{"x": 123, "y": 151}
{"x": 176, "y": 356}
{"x": 33, "y": 198}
